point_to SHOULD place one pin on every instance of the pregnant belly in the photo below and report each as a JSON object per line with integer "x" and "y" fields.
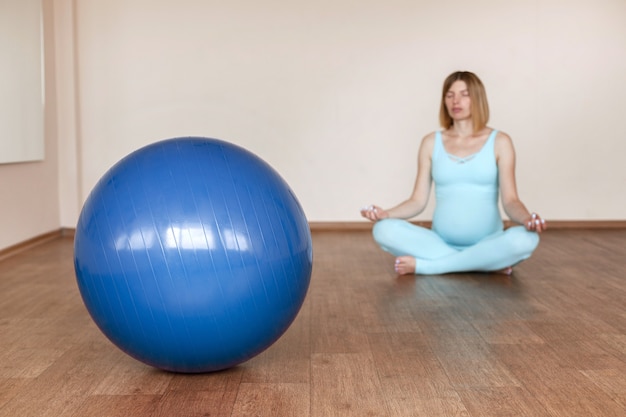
{"x": 465, "y": 222}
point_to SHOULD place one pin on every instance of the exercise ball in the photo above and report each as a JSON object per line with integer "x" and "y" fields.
{"x": 192, "y": 255}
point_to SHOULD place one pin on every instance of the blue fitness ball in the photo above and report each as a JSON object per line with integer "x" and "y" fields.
{"x": 192, "y": 255}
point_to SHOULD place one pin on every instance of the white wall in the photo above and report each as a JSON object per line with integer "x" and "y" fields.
{"x": 335, "y": 94}
{"x": 66, "y": 81}
{"x": 29, "y": 194}
{"x": 21, "y": 81}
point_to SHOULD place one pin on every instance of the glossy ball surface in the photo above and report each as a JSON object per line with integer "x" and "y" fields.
{"x": 192, "y": 255}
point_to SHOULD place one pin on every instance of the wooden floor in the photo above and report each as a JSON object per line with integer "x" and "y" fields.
{"x": 548, "y": 341}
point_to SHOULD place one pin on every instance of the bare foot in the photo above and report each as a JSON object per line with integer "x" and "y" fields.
{"x": 405, "y": 265}
{"x": 506, "y": 271}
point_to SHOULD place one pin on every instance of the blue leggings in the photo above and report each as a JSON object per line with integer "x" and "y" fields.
{"x": 434, "y": 256}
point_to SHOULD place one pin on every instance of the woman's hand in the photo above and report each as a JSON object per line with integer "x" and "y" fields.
{"x": 374, "y": 213}
{"x": 535, "y": 223}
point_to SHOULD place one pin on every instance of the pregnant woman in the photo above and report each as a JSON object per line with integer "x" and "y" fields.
{"x": 471, "y": 165}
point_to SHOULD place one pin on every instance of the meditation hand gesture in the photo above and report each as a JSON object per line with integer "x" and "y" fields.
{"x": 374, "y": 213}
{"x": 535, "y": 223}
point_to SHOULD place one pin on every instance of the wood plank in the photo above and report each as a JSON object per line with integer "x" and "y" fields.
{"x": 501, "y": 401}
{"x": 406, "y": 397}
{"x": 288, "y": 359}
{"x": 269, "y": 400}
{"x": 10, "y": 387}
{"x": 118, "y": 406}
{"x": 567, "y": 393}
{"x": 471, "y": 365}
{"x": 201, "y": 395}
{"x": 63, "y": 387}
{"x": 195, "y": 403}
{"x": 413, "y": 380}
{"x": 611, "y": 381}
{"x": 555, "y": 382}
{"x": 130, "y": 377}
{"x": 345, "y": 384}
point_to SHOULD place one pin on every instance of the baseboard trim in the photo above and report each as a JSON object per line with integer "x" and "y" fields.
{"x": 587, "y": 224}
{"x": 31, "y": 243}
{"x": 68, "y": 232}
{"x": 552, "y": 224}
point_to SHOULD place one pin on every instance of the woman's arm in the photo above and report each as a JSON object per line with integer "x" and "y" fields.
{"x": 513, "y": 206}
{"x": 416, "y": 203}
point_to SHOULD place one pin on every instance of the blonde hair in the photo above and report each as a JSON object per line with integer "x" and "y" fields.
{"x": 478, "y": 97}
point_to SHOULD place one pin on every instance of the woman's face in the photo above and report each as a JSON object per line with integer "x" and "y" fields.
{"x": 458, "y": 101}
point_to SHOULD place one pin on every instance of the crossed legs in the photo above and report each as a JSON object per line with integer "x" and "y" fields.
{"x": 432, "y": 255}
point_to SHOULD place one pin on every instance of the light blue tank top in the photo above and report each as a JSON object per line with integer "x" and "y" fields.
{"x": 466, "y": 191}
